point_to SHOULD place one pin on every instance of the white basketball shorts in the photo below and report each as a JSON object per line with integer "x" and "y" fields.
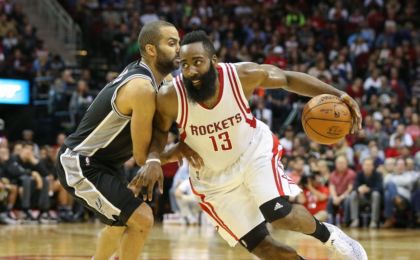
{"x": 232, "y": 197}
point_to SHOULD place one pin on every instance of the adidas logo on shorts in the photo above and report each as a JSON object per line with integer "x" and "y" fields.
{"x": 278, "y": 206}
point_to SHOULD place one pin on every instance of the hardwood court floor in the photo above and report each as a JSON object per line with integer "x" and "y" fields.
{"x": 76, "y": 241}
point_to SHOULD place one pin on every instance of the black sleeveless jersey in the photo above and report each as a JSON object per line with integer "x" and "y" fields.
{"x": 104, "y": 133}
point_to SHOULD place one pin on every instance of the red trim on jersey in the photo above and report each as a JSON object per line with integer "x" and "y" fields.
{"x": 178, "y": 86}
{"x": 208, "y": 208}
{"x": 186, "y": 102}
{"x": 252, "y": 122}
{"x": 273, "y": 165}
{"x": 183, "y": 135}
{"x": 221, "y": 87}
{"x": 244, "y": 104}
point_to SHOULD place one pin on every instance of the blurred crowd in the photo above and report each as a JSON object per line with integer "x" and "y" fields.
{"x": 368, "y": 48}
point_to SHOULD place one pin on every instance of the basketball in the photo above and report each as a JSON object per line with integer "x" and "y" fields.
{"x": 326, "y": 119}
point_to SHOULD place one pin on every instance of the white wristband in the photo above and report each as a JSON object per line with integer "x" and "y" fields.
{"x": 153, "y": 160}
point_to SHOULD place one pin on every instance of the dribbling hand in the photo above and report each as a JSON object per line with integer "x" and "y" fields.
{"x": 145, "y": 180}
{"x": 355, "y": 111}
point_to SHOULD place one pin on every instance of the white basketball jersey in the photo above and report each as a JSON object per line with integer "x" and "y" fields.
{"x": 220, "y": 135}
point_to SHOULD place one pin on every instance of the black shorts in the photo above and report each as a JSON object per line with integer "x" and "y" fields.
{"x": 100, "y": 188}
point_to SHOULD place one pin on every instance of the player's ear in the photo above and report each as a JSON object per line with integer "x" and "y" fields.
{"x": 214, "y": 60}
{"x": 150, "y": 50}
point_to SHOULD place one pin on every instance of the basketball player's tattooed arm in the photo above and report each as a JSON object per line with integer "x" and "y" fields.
{"x": 253, "y": 75}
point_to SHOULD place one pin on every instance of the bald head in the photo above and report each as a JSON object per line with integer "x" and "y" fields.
{"x": 341, "y": 163}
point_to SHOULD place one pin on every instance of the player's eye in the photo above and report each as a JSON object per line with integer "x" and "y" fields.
{"x": 198, "y": 62}
{"x": 184, "y": 65}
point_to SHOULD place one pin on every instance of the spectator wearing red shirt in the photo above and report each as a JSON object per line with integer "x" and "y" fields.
{"x": 413, "y": 129}
{"x": 298, "y": 170}
{"x": 340, "y": 185}
{"x": 355, "y": 90}
{"x": 315, "y": 196}
{"x": 277, "y": 58}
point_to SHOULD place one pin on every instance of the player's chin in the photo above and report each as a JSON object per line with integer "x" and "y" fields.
{"x": 175, "y": 65}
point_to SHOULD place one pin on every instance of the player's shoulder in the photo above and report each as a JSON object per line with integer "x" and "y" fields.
{"x": 246, "y": 68}
{"x": 167, "y": 100}
{"x": 168, "y": 88}
{"x": 140, "y": 85}
{"x": 167, "y": 92}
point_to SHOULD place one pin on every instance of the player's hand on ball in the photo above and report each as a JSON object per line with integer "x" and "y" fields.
{"x": 355, "y": 111}
{"x": 145, "y": 180}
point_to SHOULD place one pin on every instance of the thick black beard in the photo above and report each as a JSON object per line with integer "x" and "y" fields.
{"x": 207, "y": 88}
{"x": 165, "y": 65}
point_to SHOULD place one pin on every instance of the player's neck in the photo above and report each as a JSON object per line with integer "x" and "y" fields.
{"x": 156, "y": 73}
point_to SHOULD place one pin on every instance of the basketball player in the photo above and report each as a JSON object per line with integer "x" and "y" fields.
{"x": 116, "y": 126}
{"x": 241, "y": 185}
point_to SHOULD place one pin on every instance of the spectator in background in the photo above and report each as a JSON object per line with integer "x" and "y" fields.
{"x": 163, "y": 203}
{"x": 324, "y": 171}
{"x": 29, "y": 174}
{"x": 320, "y": 70}
{"x": 415, "y": 198}
{"x": 79, "y": 102}
{"x": 4, "y": 193}
{"x": 297, "y": 172}
{"x": 342, "y": 148}
{"x": 287, "y": 140}
{"x": 277, "y": 58}
{"x": 398, "y": 188}
{"x": 372, "y": 84}
{"x": 367, "y": 191}
{"x": 262, "y": 113}
{"x": 187, "y": 202}
{"x": 315, "y": 195}
{"x": 4, "y": 142}
{"x": 180, "y": 175}
{"x": 404, "y": 138}
{"x": 64, "y": 201}
{"x": 338, "y": 12}
{"x": 387, "y": 168}
{"x": 59, "y": 141}
{"x": 341, "y": 185}
{"x": 380, "y": 135}
{"x": 413, "y": 129}
{"x": 28, "y": 137}
{"x": 8, "y": 189}
{"x": 378, "y": 156}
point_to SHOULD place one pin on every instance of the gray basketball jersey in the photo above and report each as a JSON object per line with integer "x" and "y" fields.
{"x": 104, "y": 132}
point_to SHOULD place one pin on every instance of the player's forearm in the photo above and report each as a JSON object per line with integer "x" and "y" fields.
{"x": 307, "y": 85}
{"x": 159, "y": 139}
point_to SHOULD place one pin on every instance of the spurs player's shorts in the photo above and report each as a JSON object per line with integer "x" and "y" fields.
{"x": 99, "y": 187}
{"x": 232, "y": 197}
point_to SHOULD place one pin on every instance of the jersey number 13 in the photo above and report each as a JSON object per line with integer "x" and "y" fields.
{"x": 221, "y": 140}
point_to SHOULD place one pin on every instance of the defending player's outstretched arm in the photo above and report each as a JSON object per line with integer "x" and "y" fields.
{"x": 166, "y": 113}
{"x": 253, "y": 75}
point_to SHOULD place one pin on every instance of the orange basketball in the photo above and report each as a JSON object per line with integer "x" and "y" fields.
{"x": 326, "y": 119}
